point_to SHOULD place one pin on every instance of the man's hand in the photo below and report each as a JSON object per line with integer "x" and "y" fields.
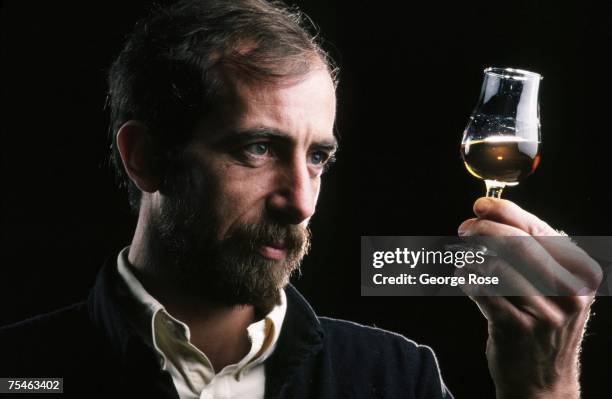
{"x": 534, "y": 340}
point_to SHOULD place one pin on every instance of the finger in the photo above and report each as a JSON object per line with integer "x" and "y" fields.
{"x": 528, "y": 256}
{"x": 501, "y": 312}
{"x": 509, "y": 281}
{"x": 556, "y": 253}
{"x": 478, "y": 226}
{"x": 525, "y": 309}
{"x": 507, "y": 212}
{"x": 509, "y": 320}
{"x": 519, "y": 291}
{"x": 529, "y": 294}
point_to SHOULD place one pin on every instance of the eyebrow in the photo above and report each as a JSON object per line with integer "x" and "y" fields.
{"x": 263, "y": 132}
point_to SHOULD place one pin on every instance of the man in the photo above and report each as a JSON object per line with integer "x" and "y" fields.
{"x": 222, "y": 116}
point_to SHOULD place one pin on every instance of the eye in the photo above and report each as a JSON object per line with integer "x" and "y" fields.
{"x": 318, "y": 157}
{"x": 258, "y": 149}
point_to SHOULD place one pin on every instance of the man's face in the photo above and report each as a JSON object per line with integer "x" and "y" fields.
{"x": 237, "y": 218}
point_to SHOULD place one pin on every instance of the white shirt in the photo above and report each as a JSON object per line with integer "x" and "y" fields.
{"x": 191, "y": 370}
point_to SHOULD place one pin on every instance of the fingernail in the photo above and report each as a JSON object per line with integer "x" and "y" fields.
{"x": 464, "y": 233}
{"x": 464, "y": 228}
{"x": 482, "y": 206}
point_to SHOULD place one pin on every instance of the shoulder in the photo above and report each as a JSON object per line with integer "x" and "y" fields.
{"x": 338, "y": 329}
{"x": 46, "y": 339}
{"x": 376, "y": 343}
{"x": 389, "y": 361}
{"x": 46, "y": 323}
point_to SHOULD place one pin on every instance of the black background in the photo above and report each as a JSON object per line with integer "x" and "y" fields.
{"x": 410, "y": 76}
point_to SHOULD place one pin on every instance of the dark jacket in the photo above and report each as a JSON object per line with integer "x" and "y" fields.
{"x": 94, "y": 348}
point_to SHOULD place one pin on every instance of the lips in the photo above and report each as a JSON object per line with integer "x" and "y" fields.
{"x": 273, "y": 250}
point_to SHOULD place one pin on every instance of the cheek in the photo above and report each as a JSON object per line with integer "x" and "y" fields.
{"x": 241, "y": 196}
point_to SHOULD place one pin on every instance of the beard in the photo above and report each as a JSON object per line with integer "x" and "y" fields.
{"x": 226, "y": 270}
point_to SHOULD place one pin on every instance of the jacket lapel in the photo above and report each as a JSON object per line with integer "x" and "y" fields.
{"x": 135, "y": 363}
{"x": 301, "y": 337}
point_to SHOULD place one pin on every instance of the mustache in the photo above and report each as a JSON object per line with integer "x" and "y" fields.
{"x": 294, "y": 238}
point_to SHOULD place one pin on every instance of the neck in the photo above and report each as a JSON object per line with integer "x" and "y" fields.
{"x": 218, "y": 330}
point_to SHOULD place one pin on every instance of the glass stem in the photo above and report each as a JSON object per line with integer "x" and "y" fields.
{"x": 494, "y": 188}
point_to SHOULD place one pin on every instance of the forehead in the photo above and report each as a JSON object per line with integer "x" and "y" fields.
{"x": 304, "y": 107}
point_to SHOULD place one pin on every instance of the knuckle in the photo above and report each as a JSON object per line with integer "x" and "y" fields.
{"x": 579, "y": 304}
{"x": 539, "y": 228}
{"x": 505, "y": 327}
{"x": 594, "y": 274}
{"x": 478, "y": 227}
{"x": 520, "y": 245}
{"x": 554, "y": 321}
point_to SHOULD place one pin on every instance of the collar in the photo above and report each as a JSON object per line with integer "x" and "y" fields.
{"x": 170, "y": 337}
{"x": 135, "y": 361}
{"x": 300, "y": 337}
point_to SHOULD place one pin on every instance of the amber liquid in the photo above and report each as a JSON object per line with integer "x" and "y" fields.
{"x": 506, "y": 159}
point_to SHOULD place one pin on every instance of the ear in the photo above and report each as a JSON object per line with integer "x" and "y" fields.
{"x": 138, "y": 155}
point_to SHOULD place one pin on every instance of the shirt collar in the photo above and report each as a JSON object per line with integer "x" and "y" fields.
{"x": 155, "y": 324}
{"x": 301, "y": 337}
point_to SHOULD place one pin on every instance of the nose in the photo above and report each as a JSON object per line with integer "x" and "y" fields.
{"x": 294, "y": 197}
